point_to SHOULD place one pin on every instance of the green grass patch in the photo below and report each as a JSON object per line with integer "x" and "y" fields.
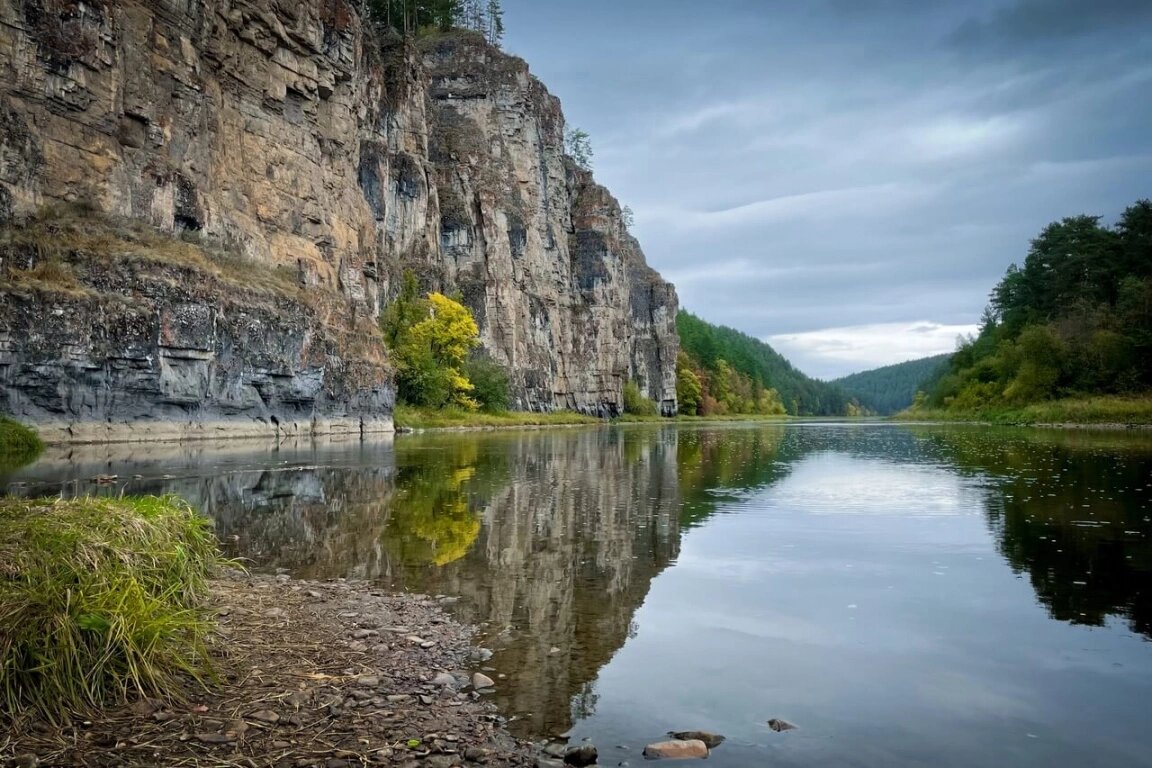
{"x": 101, "y": 599}
{"x": 409, "y": 417}
{"x": 19, "y": 445}
{"x": 1102, "y": 409}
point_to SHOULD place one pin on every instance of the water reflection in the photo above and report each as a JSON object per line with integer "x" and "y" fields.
{"x": 554, "y": 540}
{"x": 1070, "y": 509}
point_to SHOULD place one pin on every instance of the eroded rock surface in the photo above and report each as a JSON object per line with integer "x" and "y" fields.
{"x": 283, "y": 133}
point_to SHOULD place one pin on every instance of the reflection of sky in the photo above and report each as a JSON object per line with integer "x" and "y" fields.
{"x": 865, "y": 601}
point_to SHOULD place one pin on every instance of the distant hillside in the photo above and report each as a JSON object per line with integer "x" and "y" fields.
{"x": 891, "y": 388}
{"x": 724, "y": 360}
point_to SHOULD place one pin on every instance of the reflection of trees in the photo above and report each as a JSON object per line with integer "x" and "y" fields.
{"x": 1071, "y": 510}
{"x": 713, "y": 462}
{"x": 576, "y": 525}
{"x": 434, "y": 519}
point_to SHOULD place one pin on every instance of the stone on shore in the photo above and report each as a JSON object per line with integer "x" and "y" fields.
{"x": 480, "y": 680}
{"x": 676, "y": 749}
{"x": 580, "y": 756}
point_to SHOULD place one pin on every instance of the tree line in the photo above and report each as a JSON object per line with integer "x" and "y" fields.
{"x": 721, "y": 370}
{"x": 410, "y": 17}
{"x": 1074, "y": 319}
{"x": 893, "y": 388}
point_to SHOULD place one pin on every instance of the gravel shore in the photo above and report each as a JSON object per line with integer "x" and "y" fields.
{"x": 329, "y": 674}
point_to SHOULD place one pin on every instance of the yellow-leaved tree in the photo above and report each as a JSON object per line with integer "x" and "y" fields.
{"x": 430, "y": 339}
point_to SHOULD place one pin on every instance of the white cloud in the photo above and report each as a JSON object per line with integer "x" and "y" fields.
{"x": 833, "y": 352}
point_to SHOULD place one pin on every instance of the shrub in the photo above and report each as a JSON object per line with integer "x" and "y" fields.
{"x": 635, "y": 402}
{"x": 489, "y": 383}
{"x": 101, "y": 598}
{"x": 18, "y": 444}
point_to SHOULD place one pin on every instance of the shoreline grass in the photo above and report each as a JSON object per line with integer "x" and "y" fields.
{"x": 408, "y": 417}
{"x": 101, "y": 599}
{"x": 1086, "y": 411}
{"x": 19, "y": 445}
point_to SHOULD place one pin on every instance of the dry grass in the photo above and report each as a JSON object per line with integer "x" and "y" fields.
{"x": 61, "y": 239}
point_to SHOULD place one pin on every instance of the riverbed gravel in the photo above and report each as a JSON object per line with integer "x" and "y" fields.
{"x": 333, "y": 674}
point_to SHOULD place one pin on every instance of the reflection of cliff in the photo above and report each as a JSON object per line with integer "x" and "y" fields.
{"x": 318, "y": 508}
{"x": 568, "y": 549}
{"x": 1072, "y": 510}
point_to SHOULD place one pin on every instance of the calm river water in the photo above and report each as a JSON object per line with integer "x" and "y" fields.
{"x": 905, "y": 595}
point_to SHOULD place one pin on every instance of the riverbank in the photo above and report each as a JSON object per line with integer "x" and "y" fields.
{"x": 408, "y": 418}
{"x": 326, "y": 674}
{"x": 1110, "y": 411}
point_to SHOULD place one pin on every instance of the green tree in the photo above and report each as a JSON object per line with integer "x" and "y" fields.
{"x": 489, "y": 383}
{"x": 578, "y": 145}
{"x": 1076, "y": 318}
{"x": 635, "y": 402}
{"x": 689, "y": 390}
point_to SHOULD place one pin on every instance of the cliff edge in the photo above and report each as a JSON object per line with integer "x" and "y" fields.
{"x": 217, "y": 144}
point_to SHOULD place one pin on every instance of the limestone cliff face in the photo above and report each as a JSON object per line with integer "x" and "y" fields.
{"x": 538, "y": 249}
{"x": 281, "y": 133}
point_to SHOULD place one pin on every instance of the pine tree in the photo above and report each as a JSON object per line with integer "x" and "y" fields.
{"x": 495, "y": 32}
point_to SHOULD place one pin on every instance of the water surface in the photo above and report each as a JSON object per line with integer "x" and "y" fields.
{"x": 952, "y": 596}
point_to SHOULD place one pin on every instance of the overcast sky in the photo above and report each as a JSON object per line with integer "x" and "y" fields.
{"x": 848, "y": 179}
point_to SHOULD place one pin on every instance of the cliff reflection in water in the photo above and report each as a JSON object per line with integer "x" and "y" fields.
{"x": 553, "y": 538}
{"x": 1073, "y": 510}
{"x": 574, "y": 529}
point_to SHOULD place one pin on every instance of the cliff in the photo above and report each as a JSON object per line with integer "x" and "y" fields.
{"x": 284, "y": 140}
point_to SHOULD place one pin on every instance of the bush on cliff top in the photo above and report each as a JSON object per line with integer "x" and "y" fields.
{"x": 19, "y": 445}
{"x": 100, "y": 599}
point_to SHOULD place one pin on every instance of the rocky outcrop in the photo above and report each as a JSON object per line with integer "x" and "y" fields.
{"x": 149, "y": 341}
{"x": 282, "y": 133}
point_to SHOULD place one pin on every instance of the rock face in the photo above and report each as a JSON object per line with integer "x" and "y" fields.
{"x": 282, "y": 133}
{"x": 135, "y": 348}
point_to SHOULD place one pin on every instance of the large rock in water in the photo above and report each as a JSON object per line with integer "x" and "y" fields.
{"x": 710, "y": 739}
{"x": 282, "y": 134}
{"x": 676, "y": 749}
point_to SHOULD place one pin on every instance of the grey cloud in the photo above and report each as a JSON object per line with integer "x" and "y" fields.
{"x": 1048, "y": 23}
{"x": 804, "y": 165}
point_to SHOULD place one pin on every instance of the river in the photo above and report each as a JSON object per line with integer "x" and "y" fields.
{"x": 905, "y": 595}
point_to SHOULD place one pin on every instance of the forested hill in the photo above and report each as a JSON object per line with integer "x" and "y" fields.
{"x": 1074, "y": 320}
{"x": 892, "y": 388}
{"x": 724, "y": 360}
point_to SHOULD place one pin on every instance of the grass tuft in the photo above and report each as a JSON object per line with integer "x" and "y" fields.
{"x": 19, "y": 445}
{"x": 101, "y": 599}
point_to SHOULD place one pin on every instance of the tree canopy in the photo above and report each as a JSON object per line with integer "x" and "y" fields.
{"x": 409, "y": 17}
{"x": 430, "y": 339}
{"x": 1075, "y": 318}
